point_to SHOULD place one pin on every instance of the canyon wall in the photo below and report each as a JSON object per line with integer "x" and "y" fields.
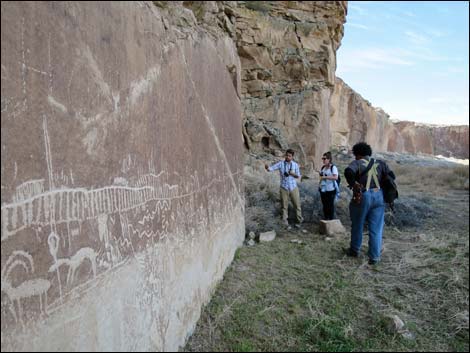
{"x": 122, "y": 133}
{"x": 288, "y": 61}
{"x": 354, "y": 119}
{"x": 121, "y": 173}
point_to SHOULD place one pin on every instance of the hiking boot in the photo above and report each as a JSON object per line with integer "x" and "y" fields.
{"x": 297, "y": 225}
{"x": 350, "y": 252}
{"x": 373, "y": 262}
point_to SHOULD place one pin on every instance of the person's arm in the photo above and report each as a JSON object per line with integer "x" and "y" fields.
{"x": 350, "y": 176}
{"x": 296, "y": 172}
{"x": 273, "y": 167}
{"x": 334, "y": 172}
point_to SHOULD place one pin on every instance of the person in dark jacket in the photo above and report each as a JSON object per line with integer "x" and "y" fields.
{"x": 363, "y": 175}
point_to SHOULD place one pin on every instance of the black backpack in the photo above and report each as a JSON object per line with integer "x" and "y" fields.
{"x": 389, "y": 187}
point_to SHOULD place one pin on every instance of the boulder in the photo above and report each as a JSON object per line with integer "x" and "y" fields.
{"x": 267, "y": 236}
{"x": 331, "y": 227}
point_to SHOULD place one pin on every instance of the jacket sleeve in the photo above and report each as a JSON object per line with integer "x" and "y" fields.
{"x": 350, "y": 176}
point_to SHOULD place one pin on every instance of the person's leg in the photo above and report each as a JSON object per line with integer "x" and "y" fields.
{"x": 333, "y": 205}
{"x": 358, "y": 215}
{"x": 295, "y": 197}
{"x": 324, "y": 203}
{"x": 284, "y": 205}
{"x": 330, "y": 202}
{"x": 375, "y": 219}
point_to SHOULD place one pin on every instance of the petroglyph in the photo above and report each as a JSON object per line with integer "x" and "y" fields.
{"x": 122, "y": 178}
{"x": 140, "y": 87}
{"x": 74, "y": 262}
{"x": 23, "y": 65}
{"x": 53, "y": 102}
{"x": 28, "y": 189}
{"x": 29, "y": 288}
{"x": 211, "y": 126}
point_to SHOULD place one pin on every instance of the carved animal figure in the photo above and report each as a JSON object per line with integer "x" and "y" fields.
{"x": 26, "y": 289}
{"x": 75, "y": 261}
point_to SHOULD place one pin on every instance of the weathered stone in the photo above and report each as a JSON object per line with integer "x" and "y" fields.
{"x": 267, "y": 236}
{"x": 410, "y": 336}
{"x": 331, "y": 227}
{"x": 354, "y": 119}
{"x": 287, "y": 52}
{"x": 122, "y": 200}
{"x": 394, "y": 324}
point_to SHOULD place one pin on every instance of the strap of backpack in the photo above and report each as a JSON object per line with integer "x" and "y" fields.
{"x": 368, "y": 168}
{"x": 372, "y": 173}
{"x": 371, "y": 163}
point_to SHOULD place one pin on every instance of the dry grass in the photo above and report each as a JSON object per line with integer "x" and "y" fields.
{"x": 432, "y": 180}
{"x": 283, "y": 296}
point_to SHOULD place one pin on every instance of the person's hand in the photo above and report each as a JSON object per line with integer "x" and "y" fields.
{"x": 266, "y": 167}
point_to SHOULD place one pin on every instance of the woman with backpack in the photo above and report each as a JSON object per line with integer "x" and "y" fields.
{"x": 328, "y": 186}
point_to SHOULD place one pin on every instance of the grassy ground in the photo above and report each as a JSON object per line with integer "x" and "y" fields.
{"x": 285, "y": 296}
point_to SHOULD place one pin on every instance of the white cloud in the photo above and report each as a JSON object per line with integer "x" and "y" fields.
{"x": 357, "y": 9}
{"x": 416, "y": 38}
{"x": 437, "y": 33}
{"x": 356, "y": 25}
{"x": 370, "y": 58}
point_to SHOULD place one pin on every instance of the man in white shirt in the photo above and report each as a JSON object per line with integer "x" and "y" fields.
{"x": 289, "y": 172}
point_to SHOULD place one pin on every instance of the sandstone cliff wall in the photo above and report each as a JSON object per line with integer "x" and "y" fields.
{"x": 354, "y": 119}
{"x": 121, "y": 161}
{"x": 288, "y": 60}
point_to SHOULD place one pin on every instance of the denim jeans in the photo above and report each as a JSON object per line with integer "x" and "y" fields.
{"x": 372, "y": 210}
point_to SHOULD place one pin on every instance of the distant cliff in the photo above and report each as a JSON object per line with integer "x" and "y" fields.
{"x": 354, "y": 119}
{"x": 291, "y": 97}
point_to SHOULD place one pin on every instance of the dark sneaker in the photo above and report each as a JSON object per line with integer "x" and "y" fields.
{"x": 373, "y": 262}
{"x": 297, "y": 225}
{"x": 350, "y": 252}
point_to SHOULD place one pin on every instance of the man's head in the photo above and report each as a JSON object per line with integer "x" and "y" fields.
{"x": 361, "y": 149}
{"x": 289, "y": 155}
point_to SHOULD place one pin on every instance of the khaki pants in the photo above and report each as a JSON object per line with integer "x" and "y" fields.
{"x": 294, "y": 195}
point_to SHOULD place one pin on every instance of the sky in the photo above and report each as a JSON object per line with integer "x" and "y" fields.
{"x": 409, "y": 58}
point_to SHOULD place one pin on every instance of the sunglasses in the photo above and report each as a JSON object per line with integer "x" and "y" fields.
{"x": 324, "y": 158}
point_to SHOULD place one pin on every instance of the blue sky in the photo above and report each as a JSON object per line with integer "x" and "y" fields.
{"x": 409, "y": 58}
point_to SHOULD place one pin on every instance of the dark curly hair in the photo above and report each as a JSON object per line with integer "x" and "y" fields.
{"x": 362, "y": 149}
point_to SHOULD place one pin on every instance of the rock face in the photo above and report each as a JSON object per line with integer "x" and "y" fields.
{"x": 121, "y": 163}
{"x": 354, "y": 119}
{"x": 449, "y": 141}
{"x": 288, "y": 60}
